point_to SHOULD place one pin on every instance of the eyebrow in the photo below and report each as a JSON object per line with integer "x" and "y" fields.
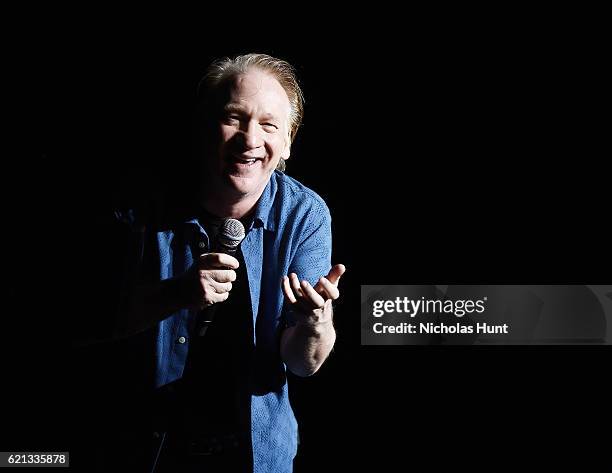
{"x": 233, "y": 108}
{"x": 230, "y": 108}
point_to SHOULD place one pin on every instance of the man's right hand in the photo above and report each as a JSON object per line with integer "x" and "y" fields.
{"x": 213, "y": 274}
{"x": 207, "y": 282}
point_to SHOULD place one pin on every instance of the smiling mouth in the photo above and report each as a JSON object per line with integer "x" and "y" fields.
{"x": 244, "y": 161}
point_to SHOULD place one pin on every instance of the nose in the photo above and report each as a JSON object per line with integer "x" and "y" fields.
{"x": 250, "y": 136}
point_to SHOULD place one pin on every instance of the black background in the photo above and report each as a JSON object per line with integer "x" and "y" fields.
{"x": 465, "y": 155}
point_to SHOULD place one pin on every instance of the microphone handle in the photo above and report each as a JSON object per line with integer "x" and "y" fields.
{"x": 205, "y": 318}
{"x": 207, "y": 315}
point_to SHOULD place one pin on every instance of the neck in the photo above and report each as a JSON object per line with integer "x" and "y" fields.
{"x": 222, "y": 205}
{"x": 236, "y": 210}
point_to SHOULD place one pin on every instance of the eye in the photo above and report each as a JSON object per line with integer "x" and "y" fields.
{"x": 231, "y": 119}
{"x": 269, "y": 126}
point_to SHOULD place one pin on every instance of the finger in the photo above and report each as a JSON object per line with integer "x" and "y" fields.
{"x": 221, "y": 297}
{"x": 221, "y": 287}
{"x": 215, "y": 298}
{"x": 219, "y": 275}
{"x": 327, "y": 289}
{"x": 335, "y": 273}
{"x": 217, "y": 260}
{"x": 311, "y": 296}
{"x": 287, "y": 290}
{"x": 328, "y": 304}
{"x": 295, "y": 285}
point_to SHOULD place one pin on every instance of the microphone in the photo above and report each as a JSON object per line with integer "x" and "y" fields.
{"x": 229, "y": 235}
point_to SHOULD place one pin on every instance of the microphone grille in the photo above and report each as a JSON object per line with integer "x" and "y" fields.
{"x": 230, "y": 234}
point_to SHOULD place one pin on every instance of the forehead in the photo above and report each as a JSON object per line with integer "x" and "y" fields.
{"x": 260, "y": 90}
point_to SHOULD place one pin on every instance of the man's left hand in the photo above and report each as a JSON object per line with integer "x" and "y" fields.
{"x": 313, "y": 305}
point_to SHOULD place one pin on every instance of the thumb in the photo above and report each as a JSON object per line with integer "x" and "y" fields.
{"x": 335, "y": 273}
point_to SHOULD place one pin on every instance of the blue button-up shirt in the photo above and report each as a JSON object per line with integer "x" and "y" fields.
{"x": 290, "y": 232}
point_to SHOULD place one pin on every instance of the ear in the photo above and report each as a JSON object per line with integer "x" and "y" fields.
{"x": 287, "y": 151}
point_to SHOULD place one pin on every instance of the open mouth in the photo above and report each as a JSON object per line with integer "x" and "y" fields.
{"x": 244, "y": 162}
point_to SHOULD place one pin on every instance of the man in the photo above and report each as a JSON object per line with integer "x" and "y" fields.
{"x": 225, "y": 393}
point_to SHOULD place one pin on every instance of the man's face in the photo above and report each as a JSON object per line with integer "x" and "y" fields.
{"x": 253, "y": 134}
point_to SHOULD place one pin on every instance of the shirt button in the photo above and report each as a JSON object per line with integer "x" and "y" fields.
{"x": 181, "y": 340}
{"x": 202, "y": 245}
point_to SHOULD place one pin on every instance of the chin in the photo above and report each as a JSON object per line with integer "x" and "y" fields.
{"x": 241, "y": 185}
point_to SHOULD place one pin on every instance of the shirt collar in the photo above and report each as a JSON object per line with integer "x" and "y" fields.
{"x": 264, "y": 212}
